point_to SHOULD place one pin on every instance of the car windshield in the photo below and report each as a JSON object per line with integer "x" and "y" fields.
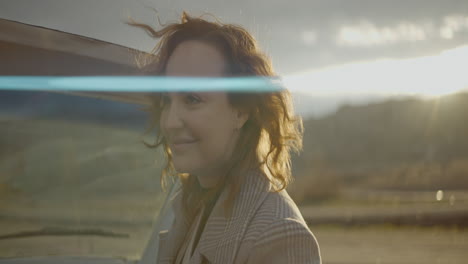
{"x": 381, "y": 87}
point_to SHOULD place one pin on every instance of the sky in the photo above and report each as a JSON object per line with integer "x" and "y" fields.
{"x": 341, "y": 48}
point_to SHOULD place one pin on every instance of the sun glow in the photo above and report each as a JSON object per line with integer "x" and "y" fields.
{"x": 436, "y": 75}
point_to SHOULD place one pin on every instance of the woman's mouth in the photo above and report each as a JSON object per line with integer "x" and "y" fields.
{"x": 181, "y": 145}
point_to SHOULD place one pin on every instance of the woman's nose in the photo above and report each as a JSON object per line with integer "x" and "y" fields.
{"x": 173, "y": 117}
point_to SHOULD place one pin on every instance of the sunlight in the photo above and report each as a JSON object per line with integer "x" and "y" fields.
{"x": 436, "y": 75}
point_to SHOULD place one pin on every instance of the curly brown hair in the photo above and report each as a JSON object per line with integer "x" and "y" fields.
{"x": 272, "y": 130}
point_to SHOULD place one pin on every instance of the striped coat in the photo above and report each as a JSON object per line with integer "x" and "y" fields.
{"x": 265, "y": 227}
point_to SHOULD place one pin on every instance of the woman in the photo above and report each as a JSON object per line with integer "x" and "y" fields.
{"x": 230, "y": 150}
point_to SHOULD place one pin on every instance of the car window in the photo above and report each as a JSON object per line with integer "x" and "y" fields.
{"x": 75, "y": 177}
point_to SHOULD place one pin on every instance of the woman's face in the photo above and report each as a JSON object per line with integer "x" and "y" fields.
{"x": 201, "y": 128}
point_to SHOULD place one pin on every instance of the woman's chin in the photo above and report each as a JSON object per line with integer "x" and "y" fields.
{"x": 207, "y": 179}
{"x": 182, "y": 166}
{"x": 207, "y": 183}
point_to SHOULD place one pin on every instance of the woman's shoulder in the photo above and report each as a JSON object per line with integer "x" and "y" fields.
{"x": 279, "y": 234}
{"x": 282, "y": 205}
{"x": 273, "y": 205}
{"x": 277, "y": 212}
{"x": 278, "y": 207}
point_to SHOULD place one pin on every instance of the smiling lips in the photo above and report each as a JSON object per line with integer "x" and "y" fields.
{"x": 179, "y": 145}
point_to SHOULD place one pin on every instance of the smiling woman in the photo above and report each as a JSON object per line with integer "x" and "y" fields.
{"x": 201, "y": 130}
{"x": 230, "y": 150}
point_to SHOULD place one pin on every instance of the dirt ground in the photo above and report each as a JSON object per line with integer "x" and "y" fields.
{"x": 338, "y": 245}
{"x": 391, "y": 245}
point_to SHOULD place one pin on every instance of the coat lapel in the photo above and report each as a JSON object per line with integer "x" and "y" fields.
{"x": 171, "y": 240}
{"x": 221, "y": 238}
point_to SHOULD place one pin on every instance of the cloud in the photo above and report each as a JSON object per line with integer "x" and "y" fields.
{"x": 365, "y": 33}
{"x": 310, "y": 37}
{"x": 453, "y": 25}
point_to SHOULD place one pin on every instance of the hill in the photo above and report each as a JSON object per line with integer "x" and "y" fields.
{"x": 406, "y": 144}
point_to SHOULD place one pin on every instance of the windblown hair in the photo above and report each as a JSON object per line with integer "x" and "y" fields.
{"x": 272, "y": 130}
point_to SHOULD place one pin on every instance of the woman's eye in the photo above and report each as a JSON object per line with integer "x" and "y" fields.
{"x": 192, "y": 99}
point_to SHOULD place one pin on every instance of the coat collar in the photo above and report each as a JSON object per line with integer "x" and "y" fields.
{"x": 221, "y": 238}
{"x": 222, "y": 235}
